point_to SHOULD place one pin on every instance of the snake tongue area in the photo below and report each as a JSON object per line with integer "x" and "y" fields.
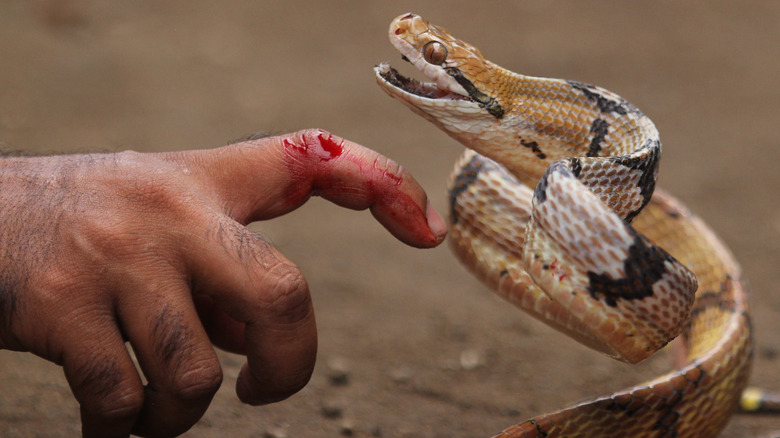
{"x": 389, "y": 76}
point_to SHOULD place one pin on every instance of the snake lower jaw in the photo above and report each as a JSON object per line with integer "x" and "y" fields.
{"x": 396, "y": 84}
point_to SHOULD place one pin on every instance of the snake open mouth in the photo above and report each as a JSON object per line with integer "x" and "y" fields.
{"x": 427, "y": 90}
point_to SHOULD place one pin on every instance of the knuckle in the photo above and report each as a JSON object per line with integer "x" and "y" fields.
{"x": 387, "y": 164}
{"x": 389, "y": 170}
{"x": 241, "y": 243}
{"x": 287, "y": 293}
{"x": 192, "y": 367}
{"x": 105, "y": 395}
{"x": 201, "y": 380}
{"x": 118, "y": 406}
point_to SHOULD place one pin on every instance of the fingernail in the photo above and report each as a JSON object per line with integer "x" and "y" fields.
{"x": 435, "y": 222}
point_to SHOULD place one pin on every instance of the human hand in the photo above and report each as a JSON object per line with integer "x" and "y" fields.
{"x": 97, "y": 250}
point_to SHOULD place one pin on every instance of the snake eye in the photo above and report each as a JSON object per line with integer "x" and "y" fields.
{"x": 434, "y": 52}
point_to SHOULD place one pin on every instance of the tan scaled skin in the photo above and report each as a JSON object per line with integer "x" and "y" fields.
{"x": 584, "y": 142}
{"x": 151, "y": 249}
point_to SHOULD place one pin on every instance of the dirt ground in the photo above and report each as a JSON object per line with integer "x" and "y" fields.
{"x": 410, "y": 344}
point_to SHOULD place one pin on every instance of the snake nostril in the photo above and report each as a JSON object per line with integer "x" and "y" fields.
{"x": 399, "y": 31}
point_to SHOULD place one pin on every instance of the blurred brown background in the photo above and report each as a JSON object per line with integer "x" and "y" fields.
{"x": 410, "y": 344}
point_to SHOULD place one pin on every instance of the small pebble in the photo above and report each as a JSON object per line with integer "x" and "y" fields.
{"x": 401, "y": 374}
{"x": 347, "y": 427}
{"x": 331, "y": 409}
{"x": 276, "y": 432}
{"x": 338, "y": 372}
{"x": 470, "y": 359}
{"x": 768, "y": 353}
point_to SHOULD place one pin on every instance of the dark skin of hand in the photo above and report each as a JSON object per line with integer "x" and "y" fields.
{"x": 152, "y": 249}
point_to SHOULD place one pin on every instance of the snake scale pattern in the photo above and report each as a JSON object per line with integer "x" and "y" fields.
{"x": 554, "y": 206}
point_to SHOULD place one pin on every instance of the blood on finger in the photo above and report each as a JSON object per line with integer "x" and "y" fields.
{"x": 326, "y": 148}
{"x": 322, "y": 164}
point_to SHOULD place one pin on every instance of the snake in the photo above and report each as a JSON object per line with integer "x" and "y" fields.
{"x": 554, "y": 205}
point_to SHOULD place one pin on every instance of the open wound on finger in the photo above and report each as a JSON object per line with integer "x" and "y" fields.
{"x": 321, "y": 144}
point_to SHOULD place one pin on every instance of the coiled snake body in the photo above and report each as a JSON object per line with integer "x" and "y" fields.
{"x": 554, "y": 205}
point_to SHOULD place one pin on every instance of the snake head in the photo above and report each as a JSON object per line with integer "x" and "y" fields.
{"x": 464, "y": 94}
{"x": 459, "y": 76}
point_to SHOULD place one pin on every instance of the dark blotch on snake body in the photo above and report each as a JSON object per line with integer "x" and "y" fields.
{"x": 575, "y": 166}
{"x": 467, "y": 175}
{"x": 604, "y": 104}
{"x": 540, "y": 193}
{"x": 648, "y": 165}
{"x": 570, "y": 167}
{"x": 599, "y": 129}
{"x": 490, "y": 104}
{"x": 534, "y": 146}
{"x": 709, "y": 299}
{"x": 643, "y": 267}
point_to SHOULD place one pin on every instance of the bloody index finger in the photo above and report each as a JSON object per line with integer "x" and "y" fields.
{"x": 265, "y": 178}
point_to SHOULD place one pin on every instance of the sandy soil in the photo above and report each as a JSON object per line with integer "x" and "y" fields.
{"x": 410, "y": 344}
